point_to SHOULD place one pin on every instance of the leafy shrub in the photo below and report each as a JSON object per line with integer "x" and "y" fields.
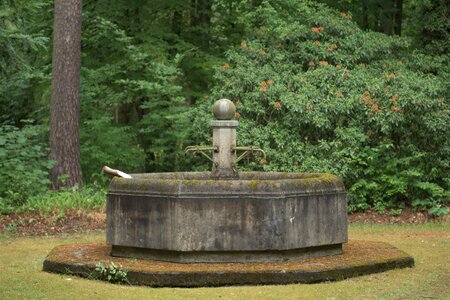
{"x": 319, "y": 94}
{"x": 24, "y": 165}
{"x": 112, "y": 273}
{"x": 105, "y": 143}
{"x": 24, "y": 41}
{"x": 137, "y": 83}
{"x": 88, "y": 198}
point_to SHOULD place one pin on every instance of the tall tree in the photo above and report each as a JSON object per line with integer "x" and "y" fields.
{"x": 398, "y": 16}
{"x": 65, "y": 103}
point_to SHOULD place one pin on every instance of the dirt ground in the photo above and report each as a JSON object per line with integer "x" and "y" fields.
{"x": 73, "y": 221}
{"x": 54, "y": 223}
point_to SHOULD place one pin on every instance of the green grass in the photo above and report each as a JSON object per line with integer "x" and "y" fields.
{"x": 89, "y": 198}
{"x": 21, "y": 276}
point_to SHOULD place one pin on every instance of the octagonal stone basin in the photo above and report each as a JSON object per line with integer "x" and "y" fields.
{"x": 188, "y": 217}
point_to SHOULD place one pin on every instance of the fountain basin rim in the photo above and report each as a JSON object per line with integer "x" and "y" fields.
{"x": 251, "y": 183}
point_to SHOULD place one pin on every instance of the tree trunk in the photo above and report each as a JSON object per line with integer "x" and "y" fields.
{"x": 365, "y": 16}
{"x": 201, "y": 17}
{"x": 398, "y": 16}
{"x": 176, "y": 22}
{"x": 65, "y": 103}
{"x": 387, "y": 13}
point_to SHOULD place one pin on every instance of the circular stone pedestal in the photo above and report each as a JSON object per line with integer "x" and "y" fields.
{"x": 358, "y": 258}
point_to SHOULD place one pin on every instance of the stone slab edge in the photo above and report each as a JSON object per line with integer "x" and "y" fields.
{"x": 204, "y": 279}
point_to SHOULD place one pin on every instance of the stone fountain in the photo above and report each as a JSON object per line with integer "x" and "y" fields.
{"x": 226, "y": 227}
{"x": 224, "y": 215}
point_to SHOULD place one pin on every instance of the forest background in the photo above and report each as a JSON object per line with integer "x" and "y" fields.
{"x": 355, "y": 88}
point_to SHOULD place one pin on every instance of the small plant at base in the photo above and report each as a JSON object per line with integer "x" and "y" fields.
{"x": 112, "y": 273}
{"x": 395, "y": 212}
{"x": 11, "y": 228}
{"x": 437, "y": 210}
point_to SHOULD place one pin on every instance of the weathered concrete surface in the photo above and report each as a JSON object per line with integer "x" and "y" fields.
{"x": 359, "y": 258}
{"x": 224, "y": 138}
{"x": 199, "y": 217}
{"x": 226, "y": 256}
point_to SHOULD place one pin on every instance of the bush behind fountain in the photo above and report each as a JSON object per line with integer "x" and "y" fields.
{"x": 318, "y": 94}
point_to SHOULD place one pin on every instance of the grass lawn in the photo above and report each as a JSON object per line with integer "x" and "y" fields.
{"x": 21, "y": 275}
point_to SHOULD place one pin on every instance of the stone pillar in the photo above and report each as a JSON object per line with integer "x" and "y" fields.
{"x": 224, "y": 138}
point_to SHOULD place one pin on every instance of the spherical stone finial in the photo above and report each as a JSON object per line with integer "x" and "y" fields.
{"x": 224, "y": 109}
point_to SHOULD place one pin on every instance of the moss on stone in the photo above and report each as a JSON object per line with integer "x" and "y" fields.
{"x": 359, "y": 257}
{"x": 250, "y": 181}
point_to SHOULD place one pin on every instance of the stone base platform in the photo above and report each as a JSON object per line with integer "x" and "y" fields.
{"x": 358, "y": 258}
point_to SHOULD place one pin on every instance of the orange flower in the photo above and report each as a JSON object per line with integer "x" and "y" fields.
{"x": 270, "y": 82}
{"x": 317, "y": 43}
{"x": 339, "y": 94}
{"x": 263, "y": 89}
{"x": 366, "y": 99}
{"x": 311, "y": 64}
{"x": 309, "y": 107}
{"x": 277, "y": 105}
{"x": 347, "y": 16}
{"x": 374, "y": 107}
{"x": 394, "y": 98}
{"x": 263, "y": 83}
{"x": 237, "y": 115}
{"x": 332, "y": 47}
{"x": 317, "y": 29}
{"x": 262, "y": 52}
{"x": 263, "y": 161}
{"x": 391, "y": 76}
{"x": 243, "y": 44}
{"x": 446, "y": 110}
{"x": 395, "y": 108}
{"x": 224, "y": 67}
{"x": 323, "y": 63}
{"x": 338, "y": 66}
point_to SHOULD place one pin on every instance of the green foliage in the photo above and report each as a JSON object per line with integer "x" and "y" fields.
{"x": 23, "y": 56}
{"x": 319, "y": 94}
{"x": 105, "y": 143}
{"x": 89, "y": 198}
{"x": 434, "y": 32}
{"x": 11, "y": 228}
{"x": 312, "y": 89}
{"x": 112, "y": 273}
{"x": 24, "y": 164}
{"x": 132, "y": 108}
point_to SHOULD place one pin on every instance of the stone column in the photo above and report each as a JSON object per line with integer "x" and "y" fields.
{"x": 224, "y": 139}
